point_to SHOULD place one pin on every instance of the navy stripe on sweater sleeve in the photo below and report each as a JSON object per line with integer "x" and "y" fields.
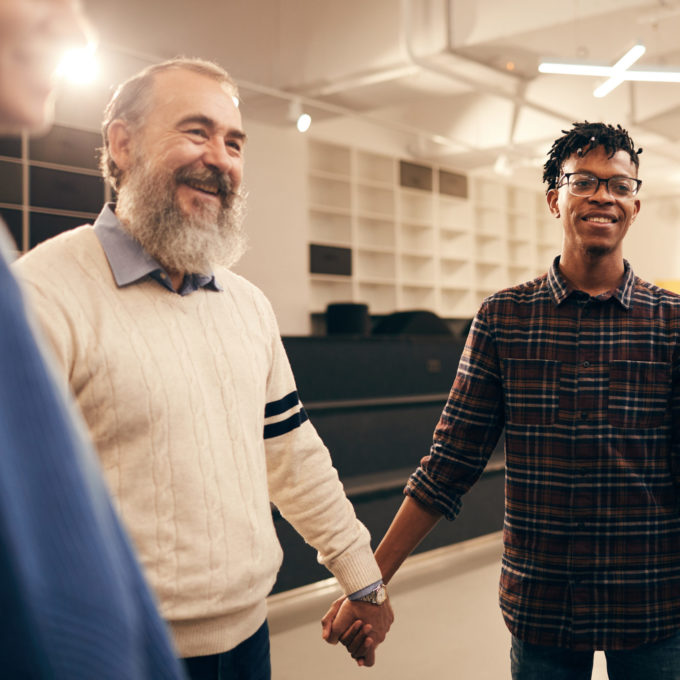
{"x": 284, "y": 426}
{"x": 275, "y": 408}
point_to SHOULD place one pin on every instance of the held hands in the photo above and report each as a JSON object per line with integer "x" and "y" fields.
{"x": 359, "y": 626}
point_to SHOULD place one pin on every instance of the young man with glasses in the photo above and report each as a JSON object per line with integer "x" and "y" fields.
{"x": 581, "y": 366}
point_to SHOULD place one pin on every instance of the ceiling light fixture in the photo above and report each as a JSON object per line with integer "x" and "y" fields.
{"x": 620, "y": 67}
{"x": 616, "y": 74}
{"x": 296, "y": 115}
{"x": 303, "y": 122}
{"x": 79, "y": 65}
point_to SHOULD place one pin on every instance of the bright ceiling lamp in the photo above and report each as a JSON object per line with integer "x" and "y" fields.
{"x": 303, "y": 122}
{"x": 615, "y": 74}
{"x": 296, "y": 115}
{"x": 79, "y": 65}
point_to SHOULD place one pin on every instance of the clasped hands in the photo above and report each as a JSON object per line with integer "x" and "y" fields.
{"x": 359, "y": 626}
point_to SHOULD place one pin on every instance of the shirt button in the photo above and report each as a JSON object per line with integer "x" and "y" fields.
{"x": 584, "y": 415}
{"x": 586, "y": 364}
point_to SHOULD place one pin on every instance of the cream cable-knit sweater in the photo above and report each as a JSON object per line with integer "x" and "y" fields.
{"x": 174, "y": 390}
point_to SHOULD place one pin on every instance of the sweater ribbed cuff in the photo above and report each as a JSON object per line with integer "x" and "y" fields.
{"x": 356, "y": 570}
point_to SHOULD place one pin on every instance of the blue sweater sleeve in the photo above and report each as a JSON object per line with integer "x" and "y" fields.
{"x": 73, "y": 599}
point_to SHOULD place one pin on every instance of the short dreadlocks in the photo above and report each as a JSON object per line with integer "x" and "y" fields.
{"x": 581, "y": 139}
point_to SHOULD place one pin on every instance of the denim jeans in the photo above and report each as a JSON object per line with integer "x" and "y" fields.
{"x": 248, "y": 661}
{"x": 655, "y": 661}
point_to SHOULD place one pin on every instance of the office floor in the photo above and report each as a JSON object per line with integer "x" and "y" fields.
{"x": 447, "y": 625}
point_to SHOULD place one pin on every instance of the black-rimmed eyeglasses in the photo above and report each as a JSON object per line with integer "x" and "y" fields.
{"x": 585, "y": 184}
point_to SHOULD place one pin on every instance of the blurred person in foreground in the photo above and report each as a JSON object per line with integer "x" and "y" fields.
{"x": 180, "y": 372}
{"x": 73, "y": 600}
{"x": 582, "y": 368}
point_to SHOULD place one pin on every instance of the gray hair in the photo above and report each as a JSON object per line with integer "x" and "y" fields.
{"x": 131, "y": 102}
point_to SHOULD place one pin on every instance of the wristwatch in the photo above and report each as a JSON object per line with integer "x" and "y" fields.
{"x": 377, "y": 596}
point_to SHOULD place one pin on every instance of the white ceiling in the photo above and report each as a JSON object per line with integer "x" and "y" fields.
{"x": 457, "y": 79}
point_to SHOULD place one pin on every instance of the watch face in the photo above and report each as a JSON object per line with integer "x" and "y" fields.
{"x": 380, "y": 595}
{"x": 377, "y": 596}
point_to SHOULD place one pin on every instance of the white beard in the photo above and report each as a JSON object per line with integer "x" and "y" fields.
{"x": 185, "y": 244}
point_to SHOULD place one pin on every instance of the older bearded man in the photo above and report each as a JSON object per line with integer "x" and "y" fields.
{"x": 73, "y": 601}
{"x": 180, "y": 372}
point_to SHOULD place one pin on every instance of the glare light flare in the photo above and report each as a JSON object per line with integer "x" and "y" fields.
{"x": 79, "y": 65}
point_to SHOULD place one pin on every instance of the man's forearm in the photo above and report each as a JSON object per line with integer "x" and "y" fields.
{"x": 410, "y": 525}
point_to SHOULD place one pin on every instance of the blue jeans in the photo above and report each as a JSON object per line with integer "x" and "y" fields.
{"x": 247, "y": 661}
{"x": 655, "y": 661}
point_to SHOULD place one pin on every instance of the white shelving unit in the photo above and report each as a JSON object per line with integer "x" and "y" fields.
{"x": 421, "y": 249}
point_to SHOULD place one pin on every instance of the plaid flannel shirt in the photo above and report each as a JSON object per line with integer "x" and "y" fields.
{"x": 588, "y": 390}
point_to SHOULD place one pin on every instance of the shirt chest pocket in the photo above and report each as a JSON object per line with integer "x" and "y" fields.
{"x": 532, "y": 391}
{"x": 639, "y": 393}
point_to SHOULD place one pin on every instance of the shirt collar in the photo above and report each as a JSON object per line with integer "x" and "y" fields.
{"x": 130, "y": 263}
{"x": 561, "y": 289}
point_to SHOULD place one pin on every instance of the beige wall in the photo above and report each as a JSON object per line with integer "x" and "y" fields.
{"x": 277, "y": 258}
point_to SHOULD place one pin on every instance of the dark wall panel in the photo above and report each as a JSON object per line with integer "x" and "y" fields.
{"x": 373, "y": 439}
{"x": 330, "y": 260}
{"x": 10, "y": 183}
{"x": 12, "y": 219}
{"x": 66, "y": 146}
{"x": 61, "y": 190}
{"x": 43, "y": 227}
{"x": 415, "y": 176}
{"x": 10, "y": 147}
{"x": 349, "y": 368}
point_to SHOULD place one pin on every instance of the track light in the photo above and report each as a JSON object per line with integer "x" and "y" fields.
{"x": 303, "y": 122}
{"x": 301, "y": 119}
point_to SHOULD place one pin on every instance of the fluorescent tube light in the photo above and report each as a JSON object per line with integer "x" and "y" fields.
{"x": 653, "y": 76}
{"x": 616, "y": 74}
{"x": 619, "y": 68}
{"x": 567, "y": 69}
{"x": 608, "y": 85}
{"x": 629, "y": 58}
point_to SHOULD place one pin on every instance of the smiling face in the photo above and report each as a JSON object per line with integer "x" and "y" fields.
{"x": 193, "y": 130}
{"x": 33, "y": 35}
{"x": 181, "y": 170}
{"x": 594, "y": 226}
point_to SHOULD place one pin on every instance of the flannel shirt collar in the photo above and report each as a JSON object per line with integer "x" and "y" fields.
{"x": 561, "y": 289}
